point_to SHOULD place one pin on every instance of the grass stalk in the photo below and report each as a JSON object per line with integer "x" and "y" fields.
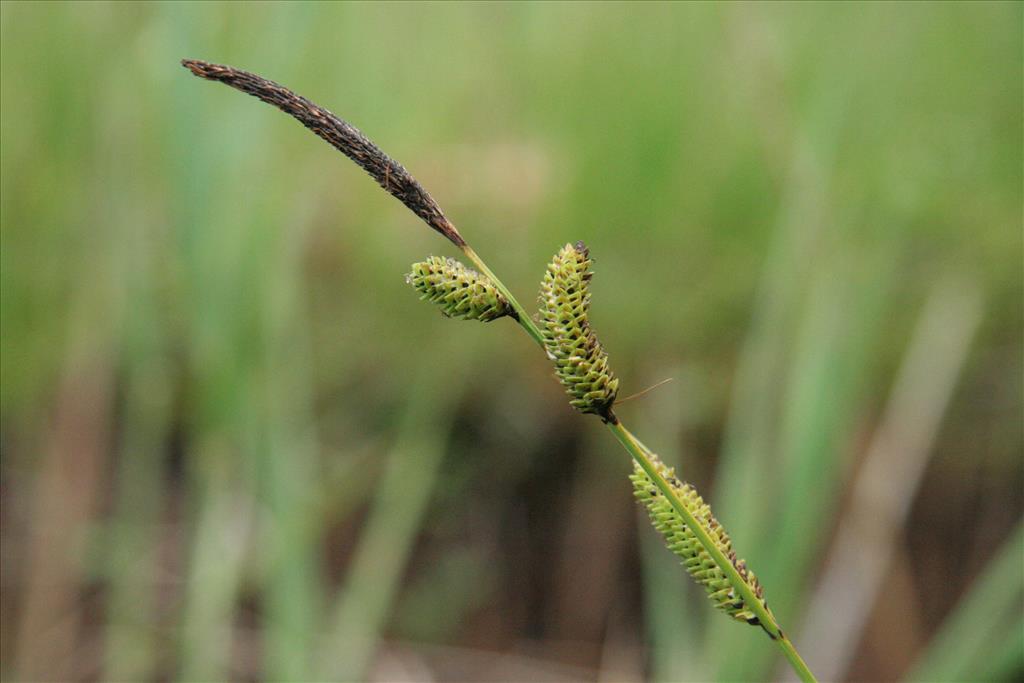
{"x": 521, "y": 316}
{"x": 975, "y": 635}
{"x": 887, "y": 481}
{"x": 581, "y": 365}
{"x": 400, "y": 501}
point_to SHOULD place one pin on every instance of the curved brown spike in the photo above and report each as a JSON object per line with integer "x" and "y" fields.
{"x": 345, "y": 137}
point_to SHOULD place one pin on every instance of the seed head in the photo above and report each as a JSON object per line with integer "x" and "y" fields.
{"x": 458, "y": 290}
{"x": 342, "y": 135}
{"x": 682, "y": 541}
{"x": 580, "y": 361}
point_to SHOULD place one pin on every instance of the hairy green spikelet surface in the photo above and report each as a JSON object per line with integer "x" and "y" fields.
{"x": 460, "y": 291}
{"x": 580, "y": 362}
{"x": 682, "y": 541}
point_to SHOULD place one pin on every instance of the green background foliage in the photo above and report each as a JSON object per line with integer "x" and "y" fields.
{"x": 236, "y": 445}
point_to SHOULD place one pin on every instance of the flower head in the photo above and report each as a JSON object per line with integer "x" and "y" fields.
{"x": 580, "y": 361}
{"x": 682, "y": 541}
{"x": 458, "y": 290}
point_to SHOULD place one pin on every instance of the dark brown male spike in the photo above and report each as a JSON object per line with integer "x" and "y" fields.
{"x": 346, "y": 138}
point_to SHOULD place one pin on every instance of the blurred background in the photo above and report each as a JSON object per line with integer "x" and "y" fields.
{"x": 236, "y": 446}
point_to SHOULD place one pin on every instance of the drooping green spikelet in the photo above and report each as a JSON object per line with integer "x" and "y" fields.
{"x": 682, "y": 541}
{"x": 580, "y": 362}
{"x": 458, "y": 290}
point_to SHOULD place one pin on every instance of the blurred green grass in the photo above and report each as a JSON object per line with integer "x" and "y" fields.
{"x": 209, "y": 357}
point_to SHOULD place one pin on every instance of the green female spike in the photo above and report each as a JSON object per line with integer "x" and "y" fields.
{"x": 682, "y": 541}
{"x": 581, "y": 363}
{"x": 458, "y": 290}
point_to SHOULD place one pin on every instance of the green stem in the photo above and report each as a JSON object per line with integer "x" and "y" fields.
{"x": 794, "y": 658}
{"x": 522, "y": 316}
{"x": 643, "y": 456}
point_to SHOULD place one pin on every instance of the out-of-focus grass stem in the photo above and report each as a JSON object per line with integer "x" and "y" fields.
{"x": 888, "y": 480}
{"x": 401, "y": 495}
{"x": 990, "y": 610}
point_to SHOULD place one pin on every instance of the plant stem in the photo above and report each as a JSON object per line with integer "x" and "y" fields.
{"x": 397, "y": 181}
{"x": 794, "y": 658}
{"x": 522, "y": 316}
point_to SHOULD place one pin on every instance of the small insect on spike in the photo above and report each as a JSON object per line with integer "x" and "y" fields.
{"x": 683, "y": 542}
{"x": 581, "y": 363}
{"x": 458, "y": 290}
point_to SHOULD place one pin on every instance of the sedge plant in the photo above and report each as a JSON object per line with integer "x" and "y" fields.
{"x": 562, "y": 330}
